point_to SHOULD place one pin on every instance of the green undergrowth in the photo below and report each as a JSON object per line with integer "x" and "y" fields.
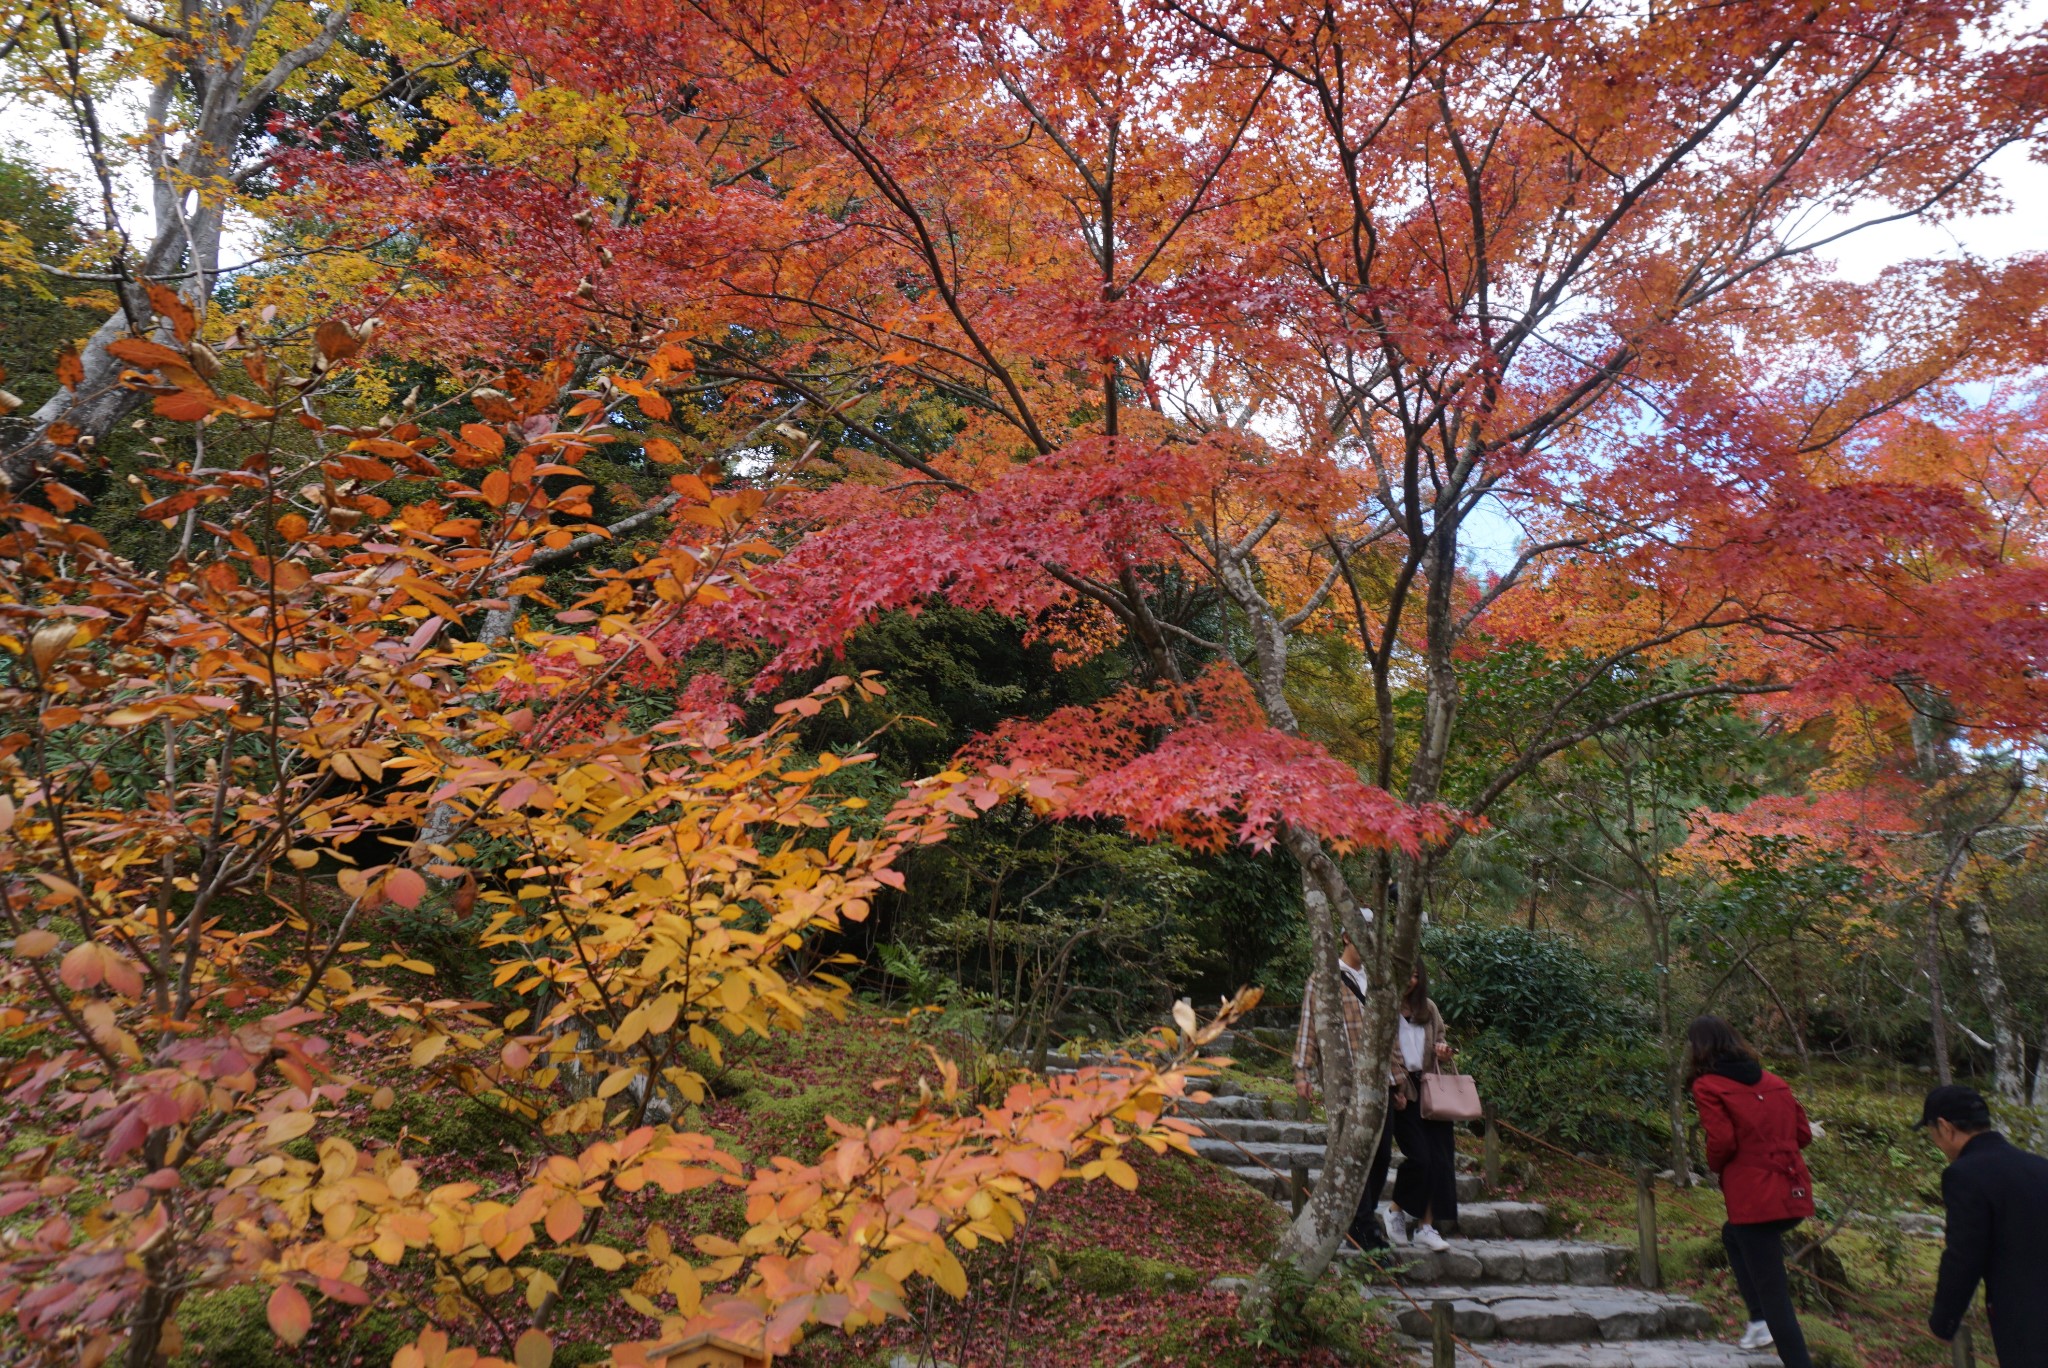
{"x": 1099, "y": 1274}
{"x": 228, "y": 1329}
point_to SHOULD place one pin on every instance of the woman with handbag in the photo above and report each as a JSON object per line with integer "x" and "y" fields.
{"x": 1426, "y": 1185}
{"x": 1755, "y": 1129}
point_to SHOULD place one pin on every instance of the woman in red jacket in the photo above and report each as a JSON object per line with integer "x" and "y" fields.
{"x": 1755, "y": 1129}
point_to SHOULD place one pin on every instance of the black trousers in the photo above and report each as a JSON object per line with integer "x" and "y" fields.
{"x": 1428, "y": 1180}
{"x": 1756, "y": 1253}
{"x": 1366, "y": 1231}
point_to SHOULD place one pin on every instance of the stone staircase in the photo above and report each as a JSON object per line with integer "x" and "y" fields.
{"x": 1520, "y": 1298}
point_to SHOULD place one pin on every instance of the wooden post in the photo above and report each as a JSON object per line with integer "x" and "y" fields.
{"x": 1443, "y": 1349}
{"x": 1651, "y": 1275}
{"x": 1492, "y": 1151}
{"x": 1963, "y": 1355}
{"x": 1297, "y": 1185}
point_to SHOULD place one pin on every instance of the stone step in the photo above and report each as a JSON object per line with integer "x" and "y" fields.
{"x": 1495, "y": 1262}
{"x": 1281, "y": 1151}
{"x": 1265, "y": 1130}
{"x": 1502, "y": 1220}
{"x": 1559, "y": 1314}
{"x": 1613, "y": 1354}
{"x": 1225, "y": 1106}
{"x": 1486, "y": 1221}
{"x": 1219, "y": 1089}
{"x": 1277, "y": 1184}
{"x": 1279, "y": 1154}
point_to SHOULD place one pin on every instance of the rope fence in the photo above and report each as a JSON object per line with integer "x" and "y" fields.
{"x": 1686, "y": 1197}
{"x": 1690, "y": 1195}
{"x": 1458, "y": 1340}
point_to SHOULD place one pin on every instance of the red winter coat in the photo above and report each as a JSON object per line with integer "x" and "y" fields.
{"x": 1754, "y": 1134}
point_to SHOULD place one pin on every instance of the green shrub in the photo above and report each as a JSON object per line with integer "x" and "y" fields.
{"x": 1599, "y": 1095}
{"x": 1556, "y": 1044}
{"x": 1343, "y": 1319}
{"x": 1524, "y": 985}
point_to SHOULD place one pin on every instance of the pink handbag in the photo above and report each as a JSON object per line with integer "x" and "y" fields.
{"x": 1450, "y": 1097}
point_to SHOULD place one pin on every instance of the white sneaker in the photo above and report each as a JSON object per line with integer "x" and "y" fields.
{"x": 1397, "y": 1225}
{"x": 1425, "y": 1237}
{"x": 1758, "y": 1336}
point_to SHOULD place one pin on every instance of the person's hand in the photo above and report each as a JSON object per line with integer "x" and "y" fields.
{"x": 1443, "y": 1049}
{"x": 1303, "y": 1089}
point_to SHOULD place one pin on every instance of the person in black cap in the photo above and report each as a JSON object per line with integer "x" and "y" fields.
{"x": 1997, "y": 1199}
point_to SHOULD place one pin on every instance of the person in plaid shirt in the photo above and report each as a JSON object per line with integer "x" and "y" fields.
{"x": 1366, "y": 1231}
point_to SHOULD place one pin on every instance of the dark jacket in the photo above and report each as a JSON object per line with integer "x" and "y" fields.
{"x": 1997, "y": 1197}
{"x": 1755, "y": 1129}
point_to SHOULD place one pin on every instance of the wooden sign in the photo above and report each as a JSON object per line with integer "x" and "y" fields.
{"x": 709, "y": 1351}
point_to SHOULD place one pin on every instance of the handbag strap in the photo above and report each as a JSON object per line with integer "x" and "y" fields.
{"x": 1345, "y": 979}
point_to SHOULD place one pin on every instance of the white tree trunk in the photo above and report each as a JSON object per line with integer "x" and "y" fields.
{"x": 2009, "y": 1046}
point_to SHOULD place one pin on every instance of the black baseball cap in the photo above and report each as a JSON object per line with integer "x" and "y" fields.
{"x": 1964, "y": 1108}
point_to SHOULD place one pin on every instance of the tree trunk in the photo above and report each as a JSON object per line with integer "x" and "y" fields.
{"x": 214, "y": 89}
{"x": 1937, "y": 1013}
{"x": 2040, "y": 1093}
{"x": 152, "y": 1311}
{"x": 1674, "y": 1056}
{"x": 2009, "y": 1046}
{"x": 1312, "y": 1241}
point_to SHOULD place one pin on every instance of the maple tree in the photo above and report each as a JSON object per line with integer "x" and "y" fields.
{"x": 195, "y": 753}
{"x": 1280, "y": 303}
{"x": 1085, "y": 303}
{"x": 1927, "y": 788}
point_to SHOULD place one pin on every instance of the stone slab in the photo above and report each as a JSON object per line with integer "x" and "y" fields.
{"x": 1563, "y": 1262}
{"x": 1611, "y": 1354}
{"x": 1555, "y": 1313}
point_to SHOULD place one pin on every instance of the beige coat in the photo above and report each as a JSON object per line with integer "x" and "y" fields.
{"x": 1433, "y": 1034}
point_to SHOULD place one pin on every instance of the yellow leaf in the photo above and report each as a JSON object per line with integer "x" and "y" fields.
{"x": 388, "y": 1247}
{"x": 684, "y": 1287}
{"x": 534, "y": 1350}
{"x": 382, "y": 1099}
{"x": 661, "y": 1014}
{"x": 616, "y": 1082}
{"x": 288, "y": 1127}
{"x": 1120, "y": 1173}
{"x": 947, "y": 1272}
{"x": 605, "y": 1257}
{"x": 302, "y": 859}
{"x": 428, "y": 1050}
{"x": 630, "y": 1030}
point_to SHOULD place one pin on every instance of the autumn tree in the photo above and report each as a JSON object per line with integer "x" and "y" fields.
{"x": 1278, "y": 303}
{"x": 224, "y": 89}
{"x": 218, "y": 773}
